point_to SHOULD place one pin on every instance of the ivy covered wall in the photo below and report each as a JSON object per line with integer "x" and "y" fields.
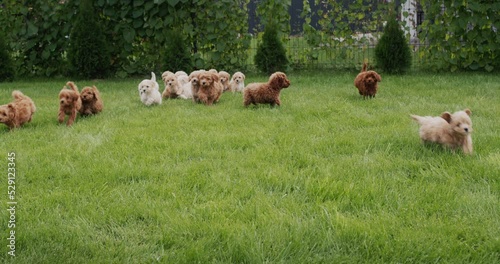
{"x": 455, "y": 35}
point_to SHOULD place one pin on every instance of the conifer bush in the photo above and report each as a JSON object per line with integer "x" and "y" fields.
{"x": 88, "y": 52}
{"x": 392, "y": 53}
{"x": 6, "y": 63}
{"x": 271, "y": 54}
{"x": 177, "y": 55}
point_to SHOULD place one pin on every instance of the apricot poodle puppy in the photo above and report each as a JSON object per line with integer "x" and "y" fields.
{"x": 172, "y": 86}
{"x": 367, "y": 82}
{"x": 210, "y": 88}
{"x": 224, "y": 78}
{"x": 450, "y": 130}
{"x": 194, "y": 84}
{"x": 266, "y": 93}
{"x": 91, "y": 101}
{"x": 69, "y": 103}
{"x": 18, "y": 112}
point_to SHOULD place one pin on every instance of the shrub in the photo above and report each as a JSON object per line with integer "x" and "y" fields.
{"x": 88, "y": 53}
{"x": 6, "y": 63}
{"x": 392, "y": 52}
{"x": 177, "y": 55}
{"x": 271, "y": 54}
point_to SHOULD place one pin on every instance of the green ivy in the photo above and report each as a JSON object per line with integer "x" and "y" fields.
{"x": 337, "y": 20}
{"x": 461, "y": 35}
{"x": 137, "y": 31}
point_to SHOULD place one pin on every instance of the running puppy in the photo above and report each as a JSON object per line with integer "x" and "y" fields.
{"x": 91, "y": 101}
{"x": 266, "y": 93}
{"x": 450, "y": 130}
{"x": 18, "y": 112}
{"x": 149, "y": 91}
{"x": 69, "y": 103}
{"x": 367, "y": 82}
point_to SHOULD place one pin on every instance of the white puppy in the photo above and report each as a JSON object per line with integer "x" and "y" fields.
{"x": 237, "y": 83}
{"x": 187, "y": 91}
{"x": 149, "y": 90}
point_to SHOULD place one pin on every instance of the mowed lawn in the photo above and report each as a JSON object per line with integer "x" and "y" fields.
{"x": 328, "y": 177}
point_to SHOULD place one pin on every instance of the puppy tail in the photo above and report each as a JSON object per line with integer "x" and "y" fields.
{"x": 416, "y": 118}
{"x": 72, "y": 86}
{"x": 18, "y": 95}
{"x": 153, "y": 77}
{"x": 365, "y": 65}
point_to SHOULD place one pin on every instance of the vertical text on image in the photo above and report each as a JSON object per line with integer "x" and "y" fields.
{"x": 11, "y": 202}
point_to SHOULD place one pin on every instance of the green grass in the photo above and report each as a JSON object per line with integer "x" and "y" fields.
{"x": 326, "y": 178}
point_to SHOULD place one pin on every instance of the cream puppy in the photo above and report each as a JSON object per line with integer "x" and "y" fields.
{"x": 237, "y": 83}
{"x": 224, "y": 79}
{"x": 149, "y": 91}
{"x": 451, "y": 130}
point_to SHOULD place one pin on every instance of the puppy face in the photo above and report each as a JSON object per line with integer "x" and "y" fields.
{"x": 224, "y": 77}
{"x": 170, "y": 80}
{"x": 460, "y": 122}
{"x": 238, "y": 77}
{"x": 372, "y": 77}
{"x": 146, "y": 86}
{"x": 88, "y": 93}
{"x": 194, "y": 78}
{"x": 165, "y": 74}
{"x": 7, "y": 113}
{"x": 207, "y": 79}
{"x": 67, "y": 97}
{"x": 279, "y": 80}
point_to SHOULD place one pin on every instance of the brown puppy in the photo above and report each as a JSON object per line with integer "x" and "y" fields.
{"x": 16, "y": 113}
{"x": 367, "y": 82}
{"x": 210, "y": 88}
{"x": 266, "y": 93}
{"x": 195, "y": 84}
{"x": 91, "y": 101}
{"x": 224, "y": 80}
{"x": 69, "y": 103}
{"x": 451, "y": 130}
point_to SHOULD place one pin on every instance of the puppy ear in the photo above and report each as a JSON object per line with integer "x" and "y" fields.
{"x": 446, "y": 116}
{"x": 468, "y": 112}
{"x": 12, "y": 111}
{"x": 377, "y": 76}
{"x": 215, "y": 77}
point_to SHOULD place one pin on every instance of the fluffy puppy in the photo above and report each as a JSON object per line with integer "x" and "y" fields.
{"x": 18, "y": 112}
{"x": 172, "y": 86}
{"x": 450, "y": 130}
{"x": 266, "y": 93}
{"x": 224, "y": 80}
{"x": 149, "y": 91}
{"x": 182, "y": 77}
{"x": 180, "y": 73}
{"x": 194, "y": 82}
{"x": 91, "y": 101}
{"x": 367, "y": 82}
{"x": 69, "y": 103}
{"x": 237, "y": 82}
{"x": 210, "y": 88}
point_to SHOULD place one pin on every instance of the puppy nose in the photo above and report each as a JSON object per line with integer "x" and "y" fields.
{"x": 466, "y": 129}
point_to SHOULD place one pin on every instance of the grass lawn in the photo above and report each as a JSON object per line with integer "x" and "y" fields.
{"x": 326, "y": 178}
